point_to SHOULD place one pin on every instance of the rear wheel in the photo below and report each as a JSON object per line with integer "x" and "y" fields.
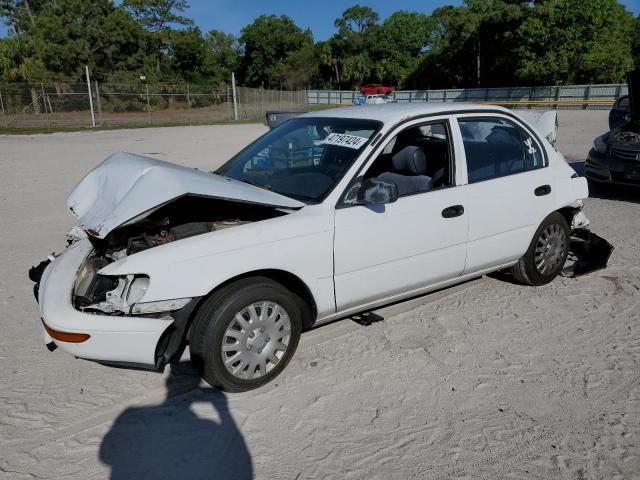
{"x": 546, "y": 254}
{"x": 244, "y": 335}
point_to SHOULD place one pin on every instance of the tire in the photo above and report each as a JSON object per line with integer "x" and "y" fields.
{"x": 552, "y": 241}
{"x": 236, "y": 334}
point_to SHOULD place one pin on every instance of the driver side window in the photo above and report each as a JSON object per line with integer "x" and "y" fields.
{"x": 416, "y": 160}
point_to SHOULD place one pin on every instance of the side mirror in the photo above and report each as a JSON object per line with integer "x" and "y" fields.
{"x": 377, "y": 192}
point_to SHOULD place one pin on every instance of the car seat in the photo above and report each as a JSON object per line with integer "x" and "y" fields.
{"x": 410, "y": 165}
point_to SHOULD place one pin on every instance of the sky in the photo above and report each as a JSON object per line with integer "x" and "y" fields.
{"x": 231, "y": 15}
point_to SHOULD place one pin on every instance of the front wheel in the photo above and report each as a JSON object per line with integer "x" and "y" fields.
{"x": 546, "y": 254}
{"x": 245, "y": 335}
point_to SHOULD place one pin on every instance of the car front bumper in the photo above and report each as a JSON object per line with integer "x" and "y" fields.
{"x": 602, "y": 168}
{"x": 112, "y": 339}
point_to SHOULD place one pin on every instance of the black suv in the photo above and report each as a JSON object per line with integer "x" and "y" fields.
{"x": 615, "y": 156}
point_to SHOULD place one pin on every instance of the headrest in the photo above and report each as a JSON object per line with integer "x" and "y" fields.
{"x": 410, "y": 159}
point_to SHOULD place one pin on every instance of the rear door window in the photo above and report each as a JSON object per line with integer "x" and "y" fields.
{"x": 496, "y": 147}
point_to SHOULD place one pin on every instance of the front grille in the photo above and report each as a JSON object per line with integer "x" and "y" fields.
{"x": 624, "y": 178}
{"x": 625, "y": 154}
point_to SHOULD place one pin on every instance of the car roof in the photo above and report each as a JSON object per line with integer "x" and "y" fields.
{"x": 397, "y": 112}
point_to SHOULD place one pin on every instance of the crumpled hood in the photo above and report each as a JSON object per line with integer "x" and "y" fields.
{"x": 126, "y": 187}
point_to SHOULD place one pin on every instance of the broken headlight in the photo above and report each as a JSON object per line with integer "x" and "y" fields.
{"x": 160, "y": 306}
{"x": 137, "y": 289}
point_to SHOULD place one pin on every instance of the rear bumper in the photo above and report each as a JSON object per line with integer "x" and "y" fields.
{"x": 120, "y": 339}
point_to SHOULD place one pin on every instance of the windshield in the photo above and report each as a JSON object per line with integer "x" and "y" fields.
{"x": 304, "y": 158}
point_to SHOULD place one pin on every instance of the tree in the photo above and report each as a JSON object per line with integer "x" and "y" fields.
{"x": 157, "y": 17}
{"x": 357, "y": 19}
{"x": 222, "y": 56}
{"x": 20, "y": 15}
{"x": 399, "y": 44}
{"x": 473, "y": 45}
{"x": 301, "y": 67}
{"x": 188, "y": 53}
{"x": 267, "y": 42}
{"x": 67, "y": 34}
{"x": 18, "y": 61}
{"x": 575, "y": 41}
{"x": 351, "y": 45}
{"x": 635, "y": 43}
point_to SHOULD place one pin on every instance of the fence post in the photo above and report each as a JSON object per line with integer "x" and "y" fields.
{"x": 557, "y": 97}
{"x": 444, "y": 96}
{"x": 188, "y": 104}
{"x": 587, "y": 97}
{"x": 93, "y": 117}
{"x": 98, "y": 101}
{"x": 44, "y": 102}
{"x": 148, "y": 103}
{"x": 4, "y": 115}
{"x": 235, "y": 101}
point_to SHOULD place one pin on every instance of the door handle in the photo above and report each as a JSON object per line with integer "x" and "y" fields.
{"x": 542, "y": 190}
{"x": 453, "y": 211}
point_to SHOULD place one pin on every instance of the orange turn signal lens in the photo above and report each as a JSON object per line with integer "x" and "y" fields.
{"x": 66, "y": 336}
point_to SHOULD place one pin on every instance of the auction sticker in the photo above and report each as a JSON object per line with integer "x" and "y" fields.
{"x": 344, "y": 140}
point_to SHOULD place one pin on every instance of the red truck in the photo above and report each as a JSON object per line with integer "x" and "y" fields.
{"x": 375, "y": 89}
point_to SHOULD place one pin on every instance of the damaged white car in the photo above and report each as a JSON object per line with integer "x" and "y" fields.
{"x": 330, "y": 214}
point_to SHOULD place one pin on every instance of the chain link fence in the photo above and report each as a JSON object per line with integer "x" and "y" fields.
{"x": 56, "y": 105}
{"x": 59, "y": 105}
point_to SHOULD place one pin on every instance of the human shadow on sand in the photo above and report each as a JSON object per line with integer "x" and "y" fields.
{"x": 169, "y": 441}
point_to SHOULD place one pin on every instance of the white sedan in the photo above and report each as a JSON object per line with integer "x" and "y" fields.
{"x": 330, "y": 214}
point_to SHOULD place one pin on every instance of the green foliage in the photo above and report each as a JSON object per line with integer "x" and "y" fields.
{"x": 21, "y": 14}
{"x": 18, "y": 61}
{"x": 635, "y": 42}
{"x": 575, "y": 41}
{"x": 351, "y": 46}
{"x": 473, "y": 45}
{"x": 71, "y": 33}
{"x": 356, "y": 20}
{"x": 400, "y": 42}
{"x": 267, "y": 43}
{"x": 157, "y": 15}
{"x": 222, "y": 56}
{"x": 301, "y": 67}
{"x": 479, "y": 43}
{"x": 157, "y": 18}
{"x": 188, "y": 53}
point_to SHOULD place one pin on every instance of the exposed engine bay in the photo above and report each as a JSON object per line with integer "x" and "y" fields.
{"x": 629, "y": 134}
{"x": 185, "y": 217}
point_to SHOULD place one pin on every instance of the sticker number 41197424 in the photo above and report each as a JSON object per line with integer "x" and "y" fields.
{"x": 344, "y": 140}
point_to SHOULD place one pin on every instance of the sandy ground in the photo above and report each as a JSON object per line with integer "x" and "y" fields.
{"x": 492, "y": 380}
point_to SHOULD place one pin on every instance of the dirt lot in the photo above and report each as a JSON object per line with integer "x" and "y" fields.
{"x": 493, "y": 380}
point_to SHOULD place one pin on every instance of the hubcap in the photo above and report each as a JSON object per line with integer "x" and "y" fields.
{"x": 550, "y": 249}
{"x": 256, "y": 340}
